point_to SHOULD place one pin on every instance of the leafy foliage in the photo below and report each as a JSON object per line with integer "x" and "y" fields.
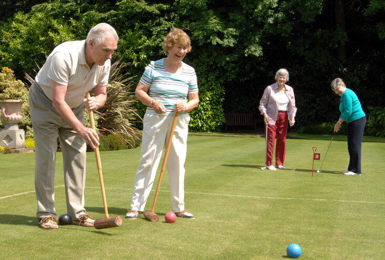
{"x": 7, "y": 150}
{"x": 237, "y": 47}
{"x": 12, "y": 88}
{"x": 112, "y": 142}
{"x": 30, "y": 143}
{"x": 116, "y": 115}
{"x": 376, "y": 122}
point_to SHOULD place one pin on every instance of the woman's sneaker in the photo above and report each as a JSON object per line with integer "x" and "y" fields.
{"x": 271, "y": 168}
{"x": 184, "y": 214}
{"x": 132, "y": 214}
{"x": 48, "y": 223}
{"x": 349, "y": 173}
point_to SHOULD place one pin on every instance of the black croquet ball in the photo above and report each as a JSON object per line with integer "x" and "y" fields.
{"x": 65, "y": 219}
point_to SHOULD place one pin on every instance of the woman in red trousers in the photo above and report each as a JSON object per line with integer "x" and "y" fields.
{"x": 277, "y": 106}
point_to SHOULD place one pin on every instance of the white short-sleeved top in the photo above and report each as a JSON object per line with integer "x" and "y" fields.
{"x": 67, "y": 66}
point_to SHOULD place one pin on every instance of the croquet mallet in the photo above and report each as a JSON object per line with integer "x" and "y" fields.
{"x": 106, "y": 222}
{"x": 327, "y": 150}
{"x": 264, "y": 167}
{"x": 150, "y": 214}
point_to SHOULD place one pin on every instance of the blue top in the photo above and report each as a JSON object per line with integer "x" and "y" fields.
{"x": 350, "y": 107}
{"x": 169, "y": 88}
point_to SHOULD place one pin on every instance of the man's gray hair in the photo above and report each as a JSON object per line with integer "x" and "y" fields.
{"x": 282, "y": 72}
{"x": 99, "y": 32}
{"x": 336, "y": 83}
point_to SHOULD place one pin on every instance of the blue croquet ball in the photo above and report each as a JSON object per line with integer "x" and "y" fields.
{"x": 65, "y": 219}
{"x": 293, "y": 250}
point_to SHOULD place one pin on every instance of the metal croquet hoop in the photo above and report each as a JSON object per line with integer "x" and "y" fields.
{"x": 316, "y": 156}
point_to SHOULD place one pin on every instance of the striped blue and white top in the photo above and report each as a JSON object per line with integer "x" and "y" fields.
{"x": 169, "y": 88}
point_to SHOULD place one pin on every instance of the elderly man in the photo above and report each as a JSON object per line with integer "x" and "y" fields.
{"x": 57, "y": 101}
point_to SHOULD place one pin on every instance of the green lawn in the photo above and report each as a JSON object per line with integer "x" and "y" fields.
{"x": 241, "y": 211}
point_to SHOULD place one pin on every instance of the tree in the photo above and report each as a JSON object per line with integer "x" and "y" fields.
{"x": 237, "y": 47}
{"x": 9, "y": 7}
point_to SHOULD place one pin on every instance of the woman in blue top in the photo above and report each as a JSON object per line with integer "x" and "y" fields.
{"x": 354, "y": 116}
{"x": 167, "y": 86}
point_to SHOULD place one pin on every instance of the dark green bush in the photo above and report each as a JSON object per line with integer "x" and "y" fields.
{"x": 237, "y": 47}
{"x": 209, "y": 115}
{"x": 375, "y": 125}
{"x": 323, "y": 128}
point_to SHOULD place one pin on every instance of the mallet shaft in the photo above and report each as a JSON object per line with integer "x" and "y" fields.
{"x": 150, "y": 215}
{"x": 107, "y": 221}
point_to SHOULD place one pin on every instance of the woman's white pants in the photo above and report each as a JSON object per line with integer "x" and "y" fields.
{"x": 156, "y": 132}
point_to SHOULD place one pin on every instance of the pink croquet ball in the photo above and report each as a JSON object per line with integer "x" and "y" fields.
{"x": 170, "y": 217}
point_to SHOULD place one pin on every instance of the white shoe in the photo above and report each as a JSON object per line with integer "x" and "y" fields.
{"x": 132, "y": 214}
{"x": 271, "y": 168}
{"x": 349, "y": 173}
{"x": 281, "y": 167}
{"x": 184, "y": 214}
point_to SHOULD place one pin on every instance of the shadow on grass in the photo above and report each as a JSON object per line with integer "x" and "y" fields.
{"x": 286, "y": 169}
{"x": 315, "y": 171}
{"x": 111, "y": 210}
{"x": 32, "y": 221}
{"x": 18, "y": 220}
{"x": 242, "y": 165}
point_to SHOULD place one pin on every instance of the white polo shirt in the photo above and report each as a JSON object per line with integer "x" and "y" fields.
{"x": 67, "y": 66}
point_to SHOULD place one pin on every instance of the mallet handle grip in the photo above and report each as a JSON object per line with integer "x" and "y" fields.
{"x": 98, "y": 162}
{"x": 165, "y": 159}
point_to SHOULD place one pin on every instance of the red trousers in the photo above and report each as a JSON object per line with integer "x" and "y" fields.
{"x": 279, "y": 131}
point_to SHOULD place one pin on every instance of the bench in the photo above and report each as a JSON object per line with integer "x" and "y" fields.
{"x": 241, "y": 120}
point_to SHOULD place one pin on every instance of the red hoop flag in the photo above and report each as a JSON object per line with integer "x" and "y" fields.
{"x": 316, "y": 156}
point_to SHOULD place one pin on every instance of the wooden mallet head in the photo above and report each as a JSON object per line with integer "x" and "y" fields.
{"x": 151, "y": 216}
{"x": 108, "y": 222}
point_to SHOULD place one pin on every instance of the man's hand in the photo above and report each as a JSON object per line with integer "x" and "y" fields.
{"x": 90, "y": 136}
{"x": 91, "y": 103}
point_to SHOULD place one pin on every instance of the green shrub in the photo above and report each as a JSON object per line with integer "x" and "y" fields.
{"x": 209, "y": 115}
{"x": 322, "y": 128}
{"x": 118, "y": 114}
{"x": 30, "y": 143}
{"x": 376, "y": 122}
{"x": 1, "y": 149}
{"x": 10, "y": 87}
{"x": 7, "y": 150}
{"x": 112, "y": 142}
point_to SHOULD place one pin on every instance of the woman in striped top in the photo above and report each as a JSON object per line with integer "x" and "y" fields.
{"x": 167, "y": 86}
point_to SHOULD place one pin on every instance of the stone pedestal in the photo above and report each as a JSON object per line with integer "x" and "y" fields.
{"x": 12, "y": 138}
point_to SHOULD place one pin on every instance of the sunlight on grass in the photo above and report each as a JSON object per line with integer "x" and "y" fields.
{"x": 241, "y": 211}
